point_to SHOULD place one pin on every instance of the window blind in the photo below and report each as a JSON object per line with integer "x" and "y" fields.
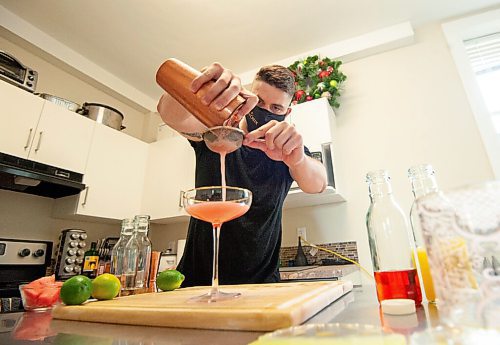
{"x": 484, "y": 53}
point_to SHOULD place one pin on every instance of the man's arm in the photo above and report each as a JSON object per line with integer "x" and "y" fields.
{"x": 310, "y": 175}
{"x": 179, "y": 119}
{"x": 226, "y": 87}
{"x": 280, "y": 141}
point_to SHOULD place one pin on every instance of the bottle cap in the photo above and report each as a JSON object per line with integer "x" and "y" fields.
{"x": 398, "y": 306}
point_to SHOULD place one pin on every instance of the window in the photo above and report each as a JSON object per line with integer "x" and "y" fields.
{"x": 475, "y": 45}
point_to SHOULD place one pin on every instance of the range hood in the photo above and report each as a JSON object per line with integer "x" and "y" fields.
{"x": 23, "y": 175}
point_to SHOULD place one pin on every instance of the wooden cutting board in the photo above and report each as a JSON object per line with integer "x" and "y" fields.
{"x": 261, "y": 307}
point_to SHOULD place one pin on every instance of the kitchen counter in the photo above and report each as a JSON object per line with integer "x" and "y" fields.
{"x": 316, "y": 272}
{"x": 358, "y": 306}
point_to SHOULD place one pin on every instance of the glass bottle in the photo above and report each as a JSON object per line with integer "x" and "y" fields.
{"x": 389, "y": 240}
{"x": 118, "y": 251}
{"x": 130, "y": 260}
{"x": 91, "y": 261}
{"x": 144, "y": 251}
{"x": 423, "y": 182}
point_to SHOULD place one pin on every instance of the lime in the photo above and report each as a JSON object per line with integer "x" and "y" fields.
{"x": 76, "y": 290}
{"x": 169, "y": 280}
{"x": 105, "y": 286}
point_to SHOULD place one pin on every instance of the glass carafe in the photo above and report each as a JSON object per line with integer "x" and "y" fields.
{"x": 144, "y": 251}
{"x": 389, "y": 239}
{"x": 118, "y": 252}
{"x": 423, "y": 182}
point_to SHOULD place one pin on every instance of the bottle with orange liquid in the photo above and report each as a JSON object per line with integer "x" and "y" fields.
{"x": 423, "y": 182}
{"x": 389, "y": 237}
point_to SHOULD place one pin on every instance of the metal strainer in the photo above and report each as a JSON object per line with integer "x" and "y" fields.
{"x": 223, "y": 139}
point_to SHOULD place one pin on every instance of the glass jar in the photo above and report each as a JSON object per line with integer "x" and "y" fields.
{"x": 389, "y": 240}
{"x": 423, "y": 182}
{"x": 118, "y": 252}
{"x": 144, "y": 251}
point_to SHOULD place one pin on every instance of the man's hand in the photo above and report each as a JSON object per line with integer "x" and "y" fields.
{"x": 280, "y": 141}
{"x": 226, "y": 87}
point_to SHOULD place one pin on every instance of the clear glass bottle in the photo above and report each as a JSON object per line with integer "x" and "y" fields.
{"x": 118, "y": 251}
{"x": 144, "y": 254}
{"x": 389, "y": 240}
{"x": 423, "y": 182}
{"x": 130, "y": 260}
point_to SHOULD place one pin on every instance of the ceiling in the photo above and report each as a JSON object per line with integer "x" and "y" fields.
{"x": 131, "y": 38}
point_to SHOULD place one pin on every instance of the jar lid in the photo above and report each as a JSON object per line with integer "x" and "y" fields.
{"x": 398, "y": 306}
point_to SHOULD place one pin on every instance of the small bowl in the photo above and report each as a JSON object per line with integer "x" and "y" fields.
{"x": 39, "y": 298}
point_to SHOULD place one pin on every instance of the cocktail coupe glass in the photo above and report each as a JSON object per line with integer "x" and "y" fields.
{"x": 216, "y": 205}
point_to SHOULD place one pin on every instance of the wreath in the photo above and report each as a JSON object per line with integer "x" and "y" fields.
{"x": 316, "y": 78}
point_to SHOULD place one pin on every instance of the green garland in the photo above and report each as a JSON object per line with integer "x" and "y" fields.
{"x": 315, "y": 78}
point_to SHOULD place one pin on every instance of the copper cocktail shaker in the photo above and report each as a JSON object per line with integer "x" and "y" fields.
{"x": 175, "y": 78}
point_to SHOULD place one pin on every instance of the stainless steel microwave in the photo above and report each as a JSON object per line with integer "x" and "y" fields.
{"x": 14, "y": 72}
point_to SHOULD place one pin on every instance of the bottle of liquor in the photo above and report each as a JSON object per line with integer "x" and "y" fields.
{"x": 118, "y": 251}
{"x": 423, "y": 182}
{"x": 389, "y": 240}
{"x": 91, "y": 261}
{"x": 144, "y": 253}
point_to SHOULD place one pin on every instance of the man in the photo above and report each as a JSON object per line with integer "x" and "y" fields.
{"x": 272, "y": 156}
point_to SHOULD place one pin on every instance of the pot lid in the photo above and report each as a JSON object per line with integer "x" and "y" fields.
{"x": 85, "y": 105}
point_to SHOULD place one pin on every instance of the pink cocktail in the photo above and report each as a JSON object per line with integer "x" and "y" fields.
{"x": 216, "y": 205}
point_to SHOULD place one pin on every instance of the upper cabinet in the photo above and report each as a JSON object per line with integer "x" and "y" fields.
{"x": 19, "y": 113}
{"x": 170, "y": 170}
{"x": 41, "y": 131}
{"x": 315, "y": 121}
{"x": 114, "y": 178}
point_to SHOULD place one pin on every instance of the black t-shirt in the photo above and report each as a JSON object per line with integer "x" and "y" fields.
{"x": 249, "y": 245}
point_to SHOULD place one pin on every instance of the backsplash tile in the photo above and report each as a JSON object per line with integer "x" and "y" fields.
{"x": 347, "y": 249}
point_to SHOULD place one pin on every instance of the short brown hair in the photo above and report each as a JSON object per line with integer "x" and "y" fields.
{"x": 278, "y": 76}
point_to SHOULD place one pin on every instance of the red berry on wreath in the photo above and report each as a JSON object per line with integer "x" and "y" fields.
{"x": 309, "y": 98}
{"x": 323, "y": 74}
{"x": 299, "y": 94}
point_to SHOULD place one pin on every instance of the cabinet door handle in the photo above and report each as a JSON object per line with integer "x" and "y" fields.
{"x": 86, "y": 195}
{"x": 39, "y": 142}
{"x": 29, "y": 139}
{"x": 181, "y": 196}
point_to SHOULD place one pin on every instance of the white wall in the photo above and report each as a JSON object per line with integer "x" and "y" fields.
{"x": 399, "y": 108}
{"x": 24, "y": 216}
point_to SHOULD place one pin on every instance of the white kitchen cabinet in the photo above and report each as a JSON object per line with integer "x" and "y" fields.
{"x": 19, "y": 113}
{"x": 170, "y": 170}
{"x": 42, "y": 131}
{"x": 114, "y": 178}
{"x": 62, "y": 138}
{"x": 315, "y": 121}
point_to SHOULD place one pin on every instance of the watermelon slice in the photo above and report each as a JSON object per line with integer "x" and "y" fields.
{"x": 41, "y": 293}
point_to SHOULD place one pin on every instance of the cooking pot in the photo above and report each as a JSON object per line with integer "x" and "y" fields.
{"x": 104, "y": 114}
{"x": 70, "y": 105}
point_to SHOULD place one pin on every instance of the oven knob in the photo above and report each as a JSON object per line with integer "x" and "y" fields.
{"x": 71, "y": 252}
{"x": 29, "y": 84}
{"x": 74, "y": 236}
{"x": 30, "y": 72}
{"x": 70, "y": 261}
{"x": 77, "y": 269}
{"x": 79, "y": 261}
{"x": 73, "y": 244}
{"x": 68, "y": 269}
{"x": 80, "y": 252}
{"x": 38, "y": 253}
{"x": 30, "y": 77}
{"x": 24, "y": 252}
{"x": 82, "y": 244}
{"x": 83, "y": 236}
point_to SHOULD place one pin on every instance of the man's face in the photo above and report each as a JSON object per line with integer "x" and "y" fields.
{"x": 271, "y": 98}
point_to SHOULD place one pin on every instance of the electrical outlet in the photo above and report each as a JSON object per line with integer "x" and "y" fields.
{"x": 301, "y": 232}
